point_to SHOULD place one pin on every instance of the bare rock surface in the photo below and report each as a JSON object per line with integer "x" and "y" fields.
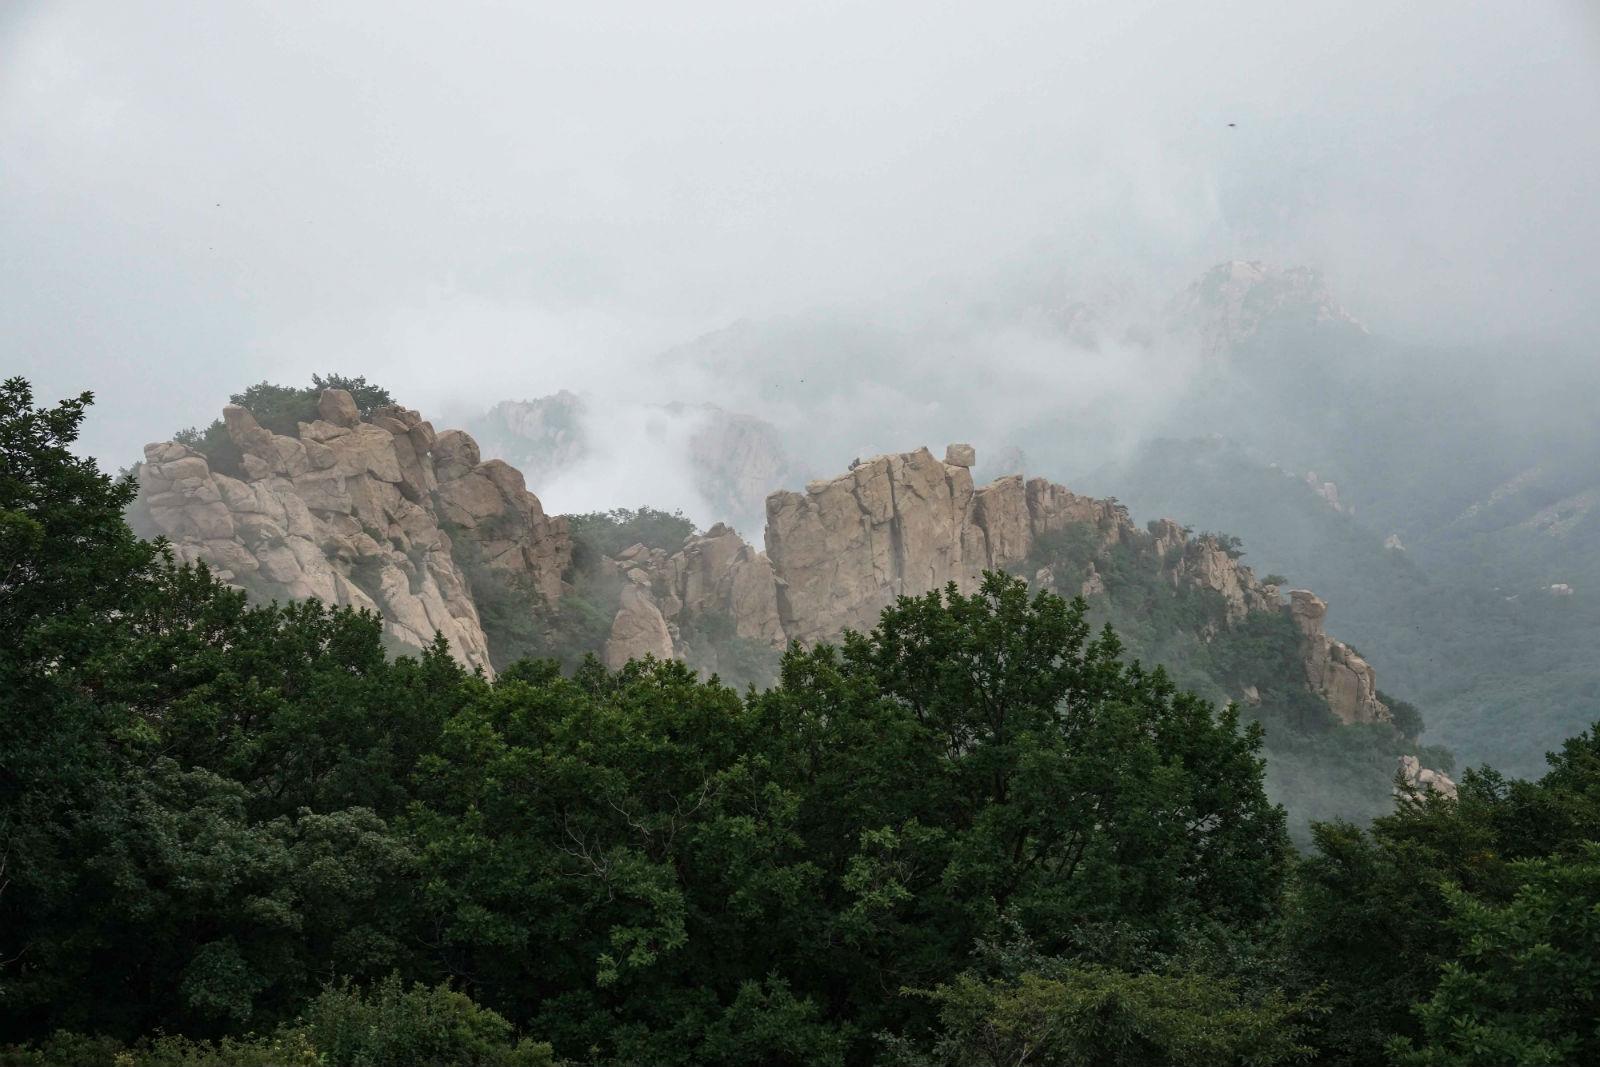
{"x": 1333, "y": 669}
{"x": 1420, "y": 780}
{"x": 639, "y": 629}
{"x": 355, "y": 513}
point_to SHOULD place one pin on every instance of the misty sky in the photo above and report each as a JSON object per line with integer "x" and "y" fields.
{"x": 469, "y": 202}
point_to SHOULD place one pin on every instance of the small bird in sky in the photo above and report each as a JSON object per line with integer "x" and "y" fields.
{"x": 1233, "y": 124}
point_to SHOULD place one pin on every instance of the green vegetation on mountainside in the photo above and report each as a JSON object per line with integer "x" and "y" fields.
{"x": 1316, "y": 767}
{"x": 1452, "y": 629}
{"x": 236, "y": 834}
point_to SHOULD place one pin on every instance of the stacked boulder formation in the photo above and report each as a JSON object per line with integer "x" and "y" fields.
{"x": 355, "y": 512}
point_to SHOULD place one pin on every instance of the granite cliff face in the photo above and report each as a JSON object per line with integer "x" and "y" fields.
{"x": 903, "y": 524}
{"x": 379, "y": 513}
{"x": 716, "y": 586}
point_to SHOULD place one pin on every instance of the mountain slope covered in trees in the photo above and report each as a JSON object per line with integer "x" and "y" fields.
{"x": 974, "y": 834}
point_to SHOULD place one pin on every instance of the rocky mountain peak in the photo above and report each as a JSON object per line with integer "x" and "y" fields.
{"x": 381, "y": 514}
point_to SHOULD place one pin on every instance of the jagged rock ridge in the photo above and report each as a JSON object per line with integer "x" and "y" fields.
{"x": 846, "y": 547}
{"x": 382, "y": 514}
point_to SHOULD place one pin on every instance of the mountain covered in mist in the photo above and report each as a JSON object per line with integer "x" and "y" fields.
{"x": 368, "y": 506}
{"x": 1444, "y": 499}
{"x": 1452, "y": 541}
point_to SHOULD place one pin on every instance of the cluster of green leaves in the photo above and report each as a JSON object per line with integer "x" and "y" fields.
{"x": 608, "y": 533}
{"x": 385, "y": 1025}
{"x": 1021, "y": 1007}
{"x": 1461, "y": 932}
{"x": 222, "y": 820}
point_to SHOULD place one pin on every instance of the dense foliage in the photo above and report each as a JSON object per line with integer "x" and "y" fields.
{"x": 978, "y": 834}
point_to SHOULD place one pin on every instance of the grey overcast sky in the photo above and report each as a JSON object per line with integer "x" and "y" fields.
{"x": 473, "y": 201}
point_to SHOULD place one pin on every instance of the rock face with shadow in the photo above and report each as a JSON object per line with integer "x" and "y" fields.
{"x": 379, "y": 513}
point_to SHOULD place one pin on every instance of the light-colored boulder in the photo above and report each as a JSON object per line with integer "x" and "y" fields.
{"x": 319, "y": 456}
{"x": 454, "y": 454}
{"x": 324, "y": 491}
{"x": 338, "y": 407}
{"x": 638, "y": 630}
{"x": 321, "y": 431}
{"x": 166, "y": 451}
{"x": 1415, "y": 780}
{"x": 961, "y": 455}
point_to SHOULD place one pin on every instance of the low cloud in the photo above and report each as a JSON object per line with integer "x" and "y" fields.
{"x": 484, "y": 202}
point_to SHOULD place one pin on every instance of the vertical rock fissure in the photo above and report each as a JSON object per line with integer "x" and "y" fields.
{"x": 897, "y": 545}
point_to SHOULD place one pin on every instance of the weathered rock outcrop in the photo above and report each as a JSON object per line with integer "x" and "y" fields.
{"x": 354, "y": 512}
{"x": 904, "y": 524}
{"x": 1333, "y": 669}
{"x": 639, "y": 629}
{"x": 715, "y": 586}
{"x": 844, "y": 549}
{"x": 1417, "y": 779}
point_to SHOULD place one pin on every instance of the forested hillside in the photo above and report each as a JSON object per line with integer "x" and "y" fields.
{"x": 974, "y": 834}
